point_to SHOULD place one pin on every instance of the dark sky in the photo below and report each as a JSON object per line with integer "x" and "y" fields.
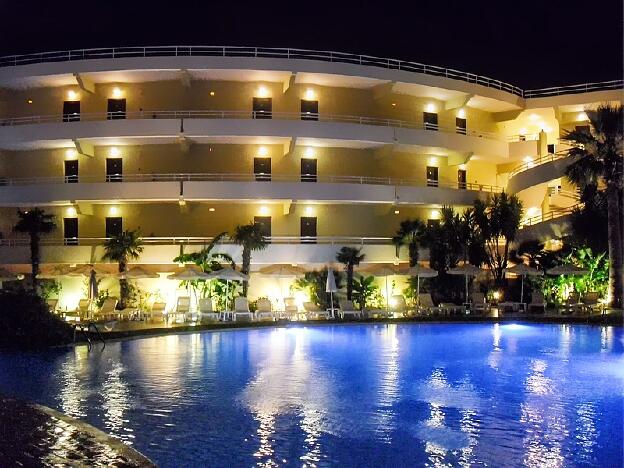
{"x": 529, "y": 43}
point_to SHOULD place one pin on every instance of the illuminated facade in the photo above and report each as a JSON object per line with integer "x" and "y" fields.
{"x": 323, "y": 149}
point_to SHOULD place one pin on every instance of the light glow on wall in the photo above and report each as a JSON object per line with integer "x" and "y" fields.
{"x": 70, "y": 154}
{"x": 309, "y": 211}
{"x": 432, "y": 161}
{"x": 435, "y": 214}
{"x": 461, "y": 113}
{"x": 71, "y": 212}
{"x": 528, "y": 160}
{"x": 113, "y": 211}
{"x": 264, "y": 210}
{"x": 462, "y": 167}
{"x": 117, "y": 93}
{"x": 533, "y": 117}
{"x": 211, "y": 209}
{"x": 263, "y": 92}
{"x": 263, "y": 151}
{"x": 431, "y": 107}
{"x": 533, "y": 211}
{"x": 72, "y": 95}
{"x": 396, "y": 212}
{"x": 309, "y": 153}
{"x": 114, "y": 152}
{"x": 309, "y": 95}
{"x": 581, "y": 116}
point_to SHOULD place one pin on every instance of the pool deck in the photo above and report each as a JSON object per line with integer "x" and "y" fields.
{"x": 131, "y": 329}
{"x": 35, "y": 435}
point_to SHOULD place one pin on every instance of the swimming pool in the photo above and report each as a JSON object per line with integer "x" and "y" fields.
{"x": 348, "y": 395}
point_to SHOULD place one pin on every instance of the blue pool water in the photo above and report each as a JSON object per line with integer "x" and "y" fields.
{"x": 348, "y": 395}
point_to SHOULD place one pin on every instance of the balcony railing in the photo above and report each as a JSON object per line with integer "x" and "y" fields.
{"x": 299, "y": 54}
{"x": 295, "y": 240}
{"x": 536, "y": 162}
{"x": 245, "y": 115}
{"x": 549, "y": 216}
{"x": 250, "y": 177}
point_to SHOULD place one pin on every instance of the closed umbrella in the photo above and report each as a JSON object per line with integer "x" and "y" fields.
{"x": 465, "y": 270}
{"x": 523, "y": 270}
{"x": 228, "y": 274}
{"x": 420, "y": 271}
{"x": 385, "y": 271}
{"x": 330, "y": 286}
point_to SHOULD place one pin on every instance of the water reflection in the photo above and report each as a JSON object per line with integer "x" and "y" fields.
{"x": 73, "y": 390}
{"x": 116, "y": 401}
{"x": 387, "y": 364}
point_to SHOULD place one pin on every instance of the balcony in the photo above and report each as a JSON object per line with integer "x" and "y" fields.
{"x": 161, "y": 250}
{"x": 554, "y": 224}
{"x": 538, "y": 171}
{"x": 40, "y": 131}
{"x": 238, "y": 187}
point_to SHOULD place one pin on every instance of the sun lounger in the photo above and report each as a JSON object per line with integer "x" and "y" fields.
{"x": 426, "y": 305}
{"x": 590, "y": 302}
{"x": 156, "y": 312}
{"x": 81, "y": 312}
{"x": 398, "y": 307}
{"x": 206, "y": 311}
{"x": 291, "y": 310}
{"x": 312, "y": 311}
{"x": 347, "y": 308}
{"x": 537, "y": 302}
{"x": 478, "y": 305}
{"x": 241, "y": 309}
{"x": 183, "y": 306}
{"x": 107, "y": 311}
{"x": 264, "y": 309}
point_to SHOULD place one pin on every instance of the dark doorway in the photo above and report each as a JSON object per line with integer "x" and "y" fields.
{"x": 70, "y": 231}
{"x": 432, "y": 176}
{"x": 116, "y": 109}
{"x": 309, "y": 110}
{"x": 262, "y": 108}
{"x": 460, "y": 126}
{"x": 71, "y": 171}
{"x": 308, "y": 230}
{"x": 262, "y": 169}
{"x": 71, "y": 111}
{"x": 431, "y": 121}
{"x": 114, "y": 226}
{"x": 461, "y": 179}
{"x": 114, "y": 170}
{"x": 308, "y": 170}
{"x": 265, "y": 225}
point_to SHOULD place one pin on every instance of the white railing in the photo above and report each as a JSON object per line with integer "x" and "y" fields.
{"x": 249, "y": 177}
{"x": 95, "y": 241}
{"x": 236, "y": 114}
{"x": 536, "y": 162}
{"x": 549, "y": 216}
{"x": 255, "y": 52}
{"x": 298, "y": 54}
{"x": 523, "y": 137}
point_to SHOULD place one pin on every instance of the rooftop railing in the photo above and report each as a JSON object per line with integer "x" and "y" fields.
{"x": 297, "y": 54}
{"x": 250, "y": 177}
{"x": 246, "y": 115}
{"x": 95, "y": 241}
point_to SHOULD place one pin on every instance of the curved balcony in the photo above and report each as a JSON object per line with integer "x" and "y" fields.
{"x": 162, "y": 250}
{"x": 539, "y": 171}
{"x": 554, "y": 224}
{"x": 40, "y": 131}
{"x": 238, "y": 187}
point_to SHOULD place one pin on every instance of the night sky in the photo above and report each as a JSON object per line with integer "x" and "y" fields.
{"x": 527, "y": 43}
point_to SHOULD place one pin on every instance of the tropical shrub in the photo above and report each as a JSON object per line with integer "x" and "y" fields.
{"x": 366, "y": 293}
{"x": 313, "y": 283}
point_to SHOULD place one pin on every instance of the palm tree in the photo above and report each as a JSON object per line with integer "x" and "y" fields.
{"x": 498, "y": 220}
{"x": 251, "y": 237}
{"x": 350, "y": 257}
{"x": 34, "y": 222}
{"x": 122, "y": 248}
{"x": 411, "y": 233}
{"x": 600, "y": 162}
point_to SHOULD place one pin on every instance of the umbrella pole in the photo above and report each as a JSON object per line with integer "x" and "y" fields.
{"x": 418, "y": 290}
{"x": 387, "y": 296}
{"x": 522, "y": 290}
{"x": 466, "y": 296}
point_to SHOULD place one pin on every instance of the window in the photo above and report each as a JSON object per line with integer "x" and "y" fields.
{"x": 71, "y": 171}
{"x": 308, "y": 170}
{"x": 114, "y": 170}
{"x": 265, "y": 225}
{"x": 71, "y": 111}
{"x": 432, "y": 176}
{"x": 431, "y": 120}
{"x": 262, "y": 168}
{"x": 433, "y": 223}
{"x": 460, "y": 126}
{"x": 262, "y": 108}
{"x": 309, "y": 110}
{"x": 116, "y": 109}
{"x": 551, "y": 148}
{"x": 308, "y": 230}
{"x": 114, "y": 226}
{"x": 461, "y": 179}
{"x": 70, "y": 231}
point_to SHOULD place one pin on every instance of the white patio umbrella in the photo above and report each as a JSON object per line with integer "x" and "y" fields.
{"x": 523, "y": 270}
{"x": 420, "y": 271}
{"x": 138, "y": 272}
{"x": 228, "y": 274}
{"x": 188, "y": 273}
{"x": 567, "y": 270}
{"x": 281, "y": 270}
{"x": 330, "y": 286}
{"x": 465, "y": 270}
{"x": 385, "y": 271}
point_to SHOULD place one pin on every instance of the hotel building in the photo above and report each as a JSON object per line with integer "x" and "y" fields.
{"x": 324, "y": 149}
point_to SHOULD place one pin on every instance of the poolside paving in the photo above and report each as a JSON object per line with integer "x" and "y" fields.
{"x": 34, "y": 435}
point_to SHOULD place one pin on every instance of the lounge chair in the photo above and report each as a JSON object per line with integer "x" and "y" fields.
{"x": 479, "y": 306}
{"x": 537, "y": 302}
{"x": 450, "y": 308}
{"x": 157, "y": 311}
{"x": 81, "y": 312}
{"x": 398, "y": 306}
{"x": 206, "y": 311}
{"x": 241, "y": 309}
{"x": 347, "y": 308}
{"x": 107, "y": 311}
{"x": 183, "y": 306}
{"x": 291, "y": 310}
{"x": 264, "y": 309}
{"x": 427, "y": 307}
{"x": 312, "y": 311}
{"x": 590, "y": 302}
{"x": 572, "y": 305}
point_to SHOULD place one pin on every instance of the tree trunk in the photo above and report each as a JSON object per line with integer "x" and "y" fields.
{"x": 616, "y": 250}
{"x": 349, "y": 281}
{"x": 123, "y": 286}
{"x": 34, "y": 259}
{"x": 413, "y": 254}
{"x": 245, "y": 268}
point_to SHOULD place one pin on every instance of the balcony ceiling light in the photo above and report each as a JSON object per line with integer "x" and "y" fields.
{"x": 263, "y": 151}
{"x": 309, "y": 95}
{"x": 117, "y": 93}
{"x": 72, "y": 95}
{"x": 114, "y": 152}
{"x": 461, "y": 113}
{"x": 431, "y": 107}
{"x": 263, "y": 92}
